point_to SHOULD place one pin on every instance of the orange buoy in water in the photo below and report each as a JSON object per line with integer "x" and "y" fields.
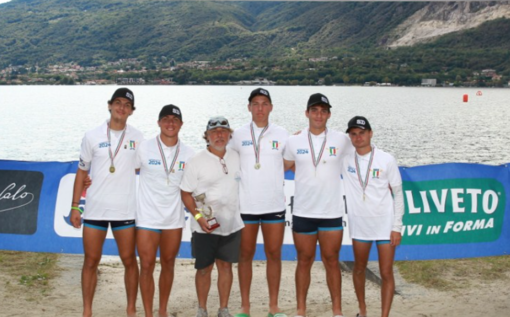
{"x": 479, "y": 93}
{"x": 465, "y": 98}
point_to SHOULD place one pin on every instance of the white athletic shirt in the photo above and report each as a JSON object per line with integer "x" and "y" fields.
{"x": 318, "y": 192}
{"x": 159, "y": 203}
{"x": 261, "y": 190}
{"x": 112, "y": 196}
{"x": 373, "y": 218}
{"x": 204, "y": 174}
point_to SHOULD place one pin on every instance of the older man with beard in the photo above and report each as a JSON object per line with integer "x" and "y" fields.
{"x": 210, "y": 191}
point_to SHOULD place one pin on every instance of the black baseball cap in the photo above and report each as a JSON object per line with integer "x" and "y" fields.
{"x": 358, "y": 122}
{"x": 318, "y": 99}
{"x": 170, "y": 110}
{"x": 123, "y": 93}
{"x": 259, "y": 92}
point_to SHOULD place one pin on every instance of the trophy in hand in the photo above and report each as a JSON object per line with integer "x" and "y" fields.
{"x": 207, "y": 211}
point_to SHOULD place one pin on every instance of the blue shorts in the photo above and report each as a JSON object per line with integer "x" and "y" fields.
{"x": 377, "y": 242}
{"x": 103, "y": 224}
{"x": 150, "y": 229}
{"x": 314, "y": 225}
{"x": 273, "y": 217}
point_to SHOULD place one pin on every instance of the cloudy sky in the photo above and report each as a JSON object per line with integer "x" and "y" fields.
{"x": 2, "y": 1}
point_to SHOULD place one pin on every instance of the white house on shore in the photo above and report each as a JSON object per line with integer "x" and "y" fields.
{"x": 429, "y": 82}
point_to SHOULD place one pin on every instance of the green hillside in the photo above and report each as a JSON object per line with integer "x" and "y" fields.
{"x": 94, "y": 31}
{"x": 268, "y": 39}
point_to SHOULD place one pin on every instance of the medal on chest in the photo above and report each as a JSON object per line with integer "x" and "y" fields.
{"x": 364, "y": 183}
{"x": 317, "y": 159}
{"x": 110, "y": 154}
{"x": 168, "y": 169}
{"x": 256, "y": 144}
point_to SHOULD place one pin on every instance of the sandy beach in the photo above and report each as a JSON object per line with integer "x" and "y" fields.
{"x": 64, "y": 298}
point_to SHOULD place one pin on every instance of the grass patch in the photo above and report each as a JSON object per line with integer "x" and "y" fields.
{"x": 446, "y": 275}
{"x": 28, "y": 273}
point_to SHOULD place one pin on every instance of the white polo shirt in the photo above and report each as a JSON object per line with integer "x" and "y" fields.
{"x": 261, "y": 190}
{"x": 204, "y": 174}
{"x": 112, "y": 196}
{"x": 159, "y": 203}
{"x": 372, "y": 218}
{"x": 318, "y": 192}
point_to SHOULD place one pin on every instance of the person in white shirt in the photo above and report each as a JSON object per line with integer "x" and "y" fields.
{"x": 317, "y": 154}
{"x": 260, "y": 145}
{"x": 160, "y": 214}
{"x": 375, "y": 207}
{"x": 108, "y": 153}
{"x": 210, "y": 191}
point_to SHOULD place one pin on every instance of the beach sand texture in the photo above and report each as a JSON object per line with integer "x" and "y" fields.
{"x": 64, "y": 299}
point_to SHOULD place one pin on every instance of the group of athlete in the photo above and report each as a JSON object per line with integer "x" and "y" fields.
{"x": 232, "y": 189}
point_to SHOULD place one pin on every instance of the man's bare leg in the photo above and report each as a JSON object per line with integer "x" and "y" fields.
{"x": 273, "y": 241}
{"x": 93, "y": 240}
{"x": 361, "y": 253}
{"x": 244, "y": 268}
{"x": 330, "y": 243}
{"x": 203, "y": 285}
{"x": 386, "y": 256}
{"x": 225, "y": 279}
{"x": 147, "y": 245}
{"x": 169, "y": 248}
{"x": 305, "y": 246}
{"x": 125, "y": 239}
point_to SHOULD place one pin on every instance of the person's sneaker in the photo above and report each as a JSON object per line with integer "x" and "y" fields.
{"x": 223, "y": 312}
{"x": 201, "y": 312}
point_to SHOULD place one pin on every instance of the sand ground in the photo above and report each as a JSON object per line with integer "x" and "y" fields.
{"x": 64, "y": 299}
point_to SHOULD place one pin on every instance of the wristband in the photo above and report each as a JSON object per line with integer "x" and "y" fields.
{"x": 76, "y": 208}
{"x": 198, "y": 216}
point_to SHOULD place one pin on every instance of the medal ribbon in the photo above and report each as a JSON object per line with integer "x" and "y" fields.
{"x": 108, "y": 132}
{"x": 256, "y": 143}
{"x": 358, "y": 171}
{"x": 165, "y": 165}
{"x": 316, "y": 160}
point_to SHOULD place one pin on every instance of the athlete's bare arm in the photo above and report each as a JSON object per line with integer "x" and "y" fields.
{"x": 191, "y": 205}
{"x": 79, "y": 181}
{"x": 398, "y": 206}
{"x": 288, "y": 165}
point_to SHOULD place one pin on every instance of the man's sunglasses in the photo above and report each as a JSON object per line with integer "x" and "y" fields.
{"x": 216, "y": 123}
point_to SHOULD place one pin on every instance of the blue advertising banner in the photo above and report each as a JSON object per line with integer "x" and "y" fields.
{"x": 32, "y": 212}
{"x": 453, "y": 210}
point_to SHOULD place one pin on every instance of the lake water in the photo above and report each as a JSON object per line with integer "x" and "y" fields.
{"x": 418, "y": 125}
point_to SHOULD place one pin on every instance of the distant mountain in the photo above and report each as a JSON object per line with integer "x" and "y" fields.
{"x": 96, "y": 31}
{"x": 438, "y": 19}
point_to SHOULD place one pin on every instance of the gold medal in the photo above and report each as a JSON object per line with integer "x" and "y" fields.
{"x": 119, "y": 145}
{"x": 317, "y": 160}
{"x": 168, "y": 169}
{"x": 256, "y": 144}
